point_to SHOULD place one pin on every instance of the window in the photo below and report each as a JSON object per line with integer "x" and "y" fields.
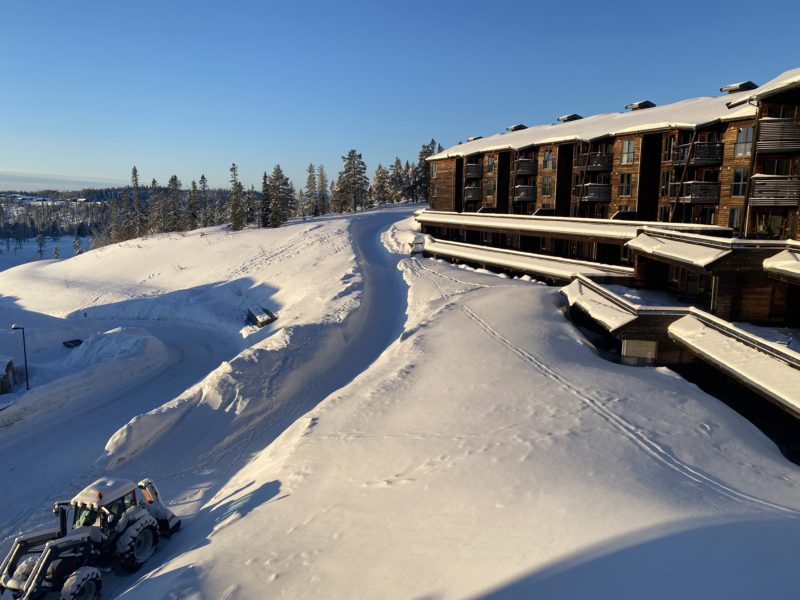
{"x": 666, "y": 177}
{"x": 778, "y": 166}
{"x": 548, "y": 159}
{"x": 624, "y": 184}
{"x": 547, "y": 185}
{"x": 663, "y": 214}
{"x": 669, "y": 144}
{"x": 735, "y": 218}
{"x": 490, "y": 186}
{"x": 744, "y": 141}
{"x": 627, "y": 153}
{"x": 490, "y": 164}
{"x": 433, "y": 169}
{"x": 432, "y": 188}
{"x": 739, "y": 185}
{"x": 781, "y": 111}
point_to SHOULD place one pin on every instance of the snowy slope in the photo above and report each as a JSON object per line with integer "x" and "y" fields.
{"x": 412, "y": 429}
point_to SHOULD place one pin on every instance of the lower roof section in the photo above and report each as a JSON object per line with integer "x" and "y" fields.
{"x": 786, "y": 264}
{"x": 537, "y": 265}
{"x": 766, "y": 367}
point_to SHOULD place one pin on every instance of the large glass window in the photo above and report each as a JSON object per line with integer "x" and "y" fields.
{"x": 490, "y": 164}
{"x": 626, "y": 158}
{"x": 625, "y": 184}
{"x": 547, "y": 185}
{"x": 547, "y": 162}
{"x": 782, "y": 111}
{"x": 740, "y": 177}
{"x": 666, "y": 177}
{"x": 744, "y": 141}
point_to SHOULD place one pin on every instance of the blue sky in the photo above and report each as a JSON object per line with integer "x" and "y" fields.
{"x": 90, "y": 88}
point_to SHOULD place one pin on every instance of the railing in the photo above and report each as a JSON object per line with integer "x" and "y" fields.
{"x": 597, "y": 161}
{"x": 704, "y": 153}
{"x": 594, "y": 192}
{"x": 474, "y": 171}
{"x": 699, "y": 192}
{"x": 473, "y": 193}
{"x": 775, "y": 190}
{"x": 525, "y": 166}
{"x": 778, "y": 135}
{"x": 524, "y": 193}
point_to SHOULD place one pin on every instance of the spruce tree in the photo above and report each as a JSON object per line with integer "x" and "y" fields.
{"x": 139, "y": 216}
{"x": 154, "y": 208}
{"x": 265, "y": 206}
{"x": 192, "y": 217}
{"x": 207, "y": 211}
{"x": 235, "y": 202}
{"x": 323, "y": 194}
{"x": 353, "y": 182}
{"x": 311, "y": 195}
{"x": 281, "y": 193}
{"x": 397, "y": 180}
{"x": 379, "y": 191}
{"x": 423, "y": 169}
{"x": 172, "y": 221}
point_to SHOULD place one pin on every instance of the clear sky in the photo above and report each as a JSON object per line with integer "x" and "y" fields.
{"x": 90, "y": 88}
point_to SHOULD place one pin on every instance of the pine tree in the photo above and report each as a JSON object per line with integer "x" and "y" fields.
{"x": 192, "y": 217}
{"x": 379, "y": 191}
{"x": 423, "y": 169}
{"x": 56, "y": 253}
{"x": 397, "y": 180}
{"x": 76, "y": 245}
{"x": 172, "y": 220}
{"x": 265, "y": 208}
{"x": 235, "y": 203}
{"x": 323, "y": 194}
{"x": 412, "y": 182}
{"x": 139, "y": 216}
{"x": 154, "y": 208}
{"x": 281, "y": 194}
{"x": 207, "y": 211}
{"x": 353, "y": 182}
{"x": 312, "y": 195}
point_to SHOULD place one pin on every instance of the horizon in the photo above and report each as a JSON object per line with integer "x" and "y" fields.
{"x": 188, "y": 89}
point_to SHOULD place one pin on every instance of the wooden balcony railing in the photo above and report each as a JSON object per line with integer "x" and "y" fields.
{"x": 775, "y": 190}
{"x": 703, "y": 153}
{"x": 778, "y": 135}
{"x": 525, "y": 166}
{"x": 597, "y": 161}
{"x": 695, "y": 192}
{"x": 524, "y": 193}
{"x": 594, "y": 192}
{"x": 474, "y": 171}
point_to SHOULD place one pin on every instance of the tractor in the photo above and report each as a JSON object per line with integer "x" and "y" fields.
{"x": 114, "y": 522}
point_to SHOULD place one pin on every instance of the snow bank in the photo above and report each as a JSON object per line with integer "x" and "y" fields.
{"x": 106, "y": 363}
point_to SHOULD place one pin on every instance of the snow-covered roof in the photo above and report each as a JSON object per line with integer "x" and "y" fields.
{"x": 102, "y": 491}
{"x": 758, "y": 363}
{"x": 564, "y": 226}
{"x": 525, "y": 262}
{"x": 609, "y": 314}
{"x": 684, "y": 114}
{"x": 782, "y": 83}
{"x": 785, "y": 263}
{"x": 689, "y": 252}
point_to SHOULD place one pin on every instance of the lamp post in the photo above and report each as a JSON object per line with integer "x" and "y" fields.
{"x": 24, "y": 353}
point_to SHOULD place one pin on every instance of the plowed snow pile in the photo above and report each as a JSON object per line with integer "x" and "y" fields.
{"x": 449, "y": 434}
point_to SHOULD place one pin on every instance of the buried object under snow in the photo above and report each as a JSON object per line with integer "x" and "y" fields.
{"x": 113, "y": 521}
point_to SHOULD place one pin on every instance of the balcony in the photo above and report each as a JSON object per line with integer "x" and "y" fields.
{"x": 695, "y": 192}
{"x": 524, "y": 193}
{"x": 775, "y": 190}
{"x": 473, "y": 194}
{"x": 594, "y": 192}
{"x": 595, "y": 161}
{"x": 525, "y": 166}
{"x": 778, "y": 135}
{"x": 474, "y": 171}
{"x": 703, "y": 153}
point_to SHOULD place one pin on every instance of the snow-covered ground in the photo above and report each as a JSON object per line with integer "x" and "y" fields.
{"x": 405, "y": 429}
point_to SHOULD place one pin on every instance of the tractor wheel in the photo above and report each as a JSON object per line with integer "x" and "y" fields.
{"x": 83, "y": 584}
{"x": 137, "y": 543}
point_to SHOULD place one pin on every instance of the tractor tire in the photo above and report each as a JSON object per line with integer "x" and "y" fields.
{"x": 84, "y": 584}
{"x": 137, "y": 543}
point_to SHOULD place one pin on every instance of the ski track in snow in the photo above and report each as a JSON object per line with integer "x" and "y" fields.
{"x": 597, "y": 405}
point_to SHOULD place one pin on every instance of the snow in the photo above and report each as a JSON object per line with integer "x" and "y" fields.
{"x": 689, "y": 251}
{"x": 783, "y": 82}
{"x": 532, "y": 264}
{"x": 405, "y": 429}
{"x": 684, "y": 114}
{"x": 784, "y": 263}
{"x": 611, "y": 315}
{"x": 102, "y": 492}
{"x": 726, "y": 345}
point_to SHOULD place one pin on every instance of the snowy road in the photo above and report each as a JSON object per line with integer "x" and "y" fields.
{"x": 50, "y": 456}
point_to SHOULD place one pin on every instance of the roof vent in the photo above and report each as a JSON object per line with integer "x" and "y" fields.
{"x": 474, "y": 137}
{"x": 642, "y": 104}
{"x": 517, "y": 127}
{"x": 568, "y": 118}
{"x": 742, "y": 86}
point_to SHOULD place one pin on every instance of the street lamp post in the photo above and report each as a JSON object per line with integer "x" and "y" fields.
{"x": 24, "y": 353}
